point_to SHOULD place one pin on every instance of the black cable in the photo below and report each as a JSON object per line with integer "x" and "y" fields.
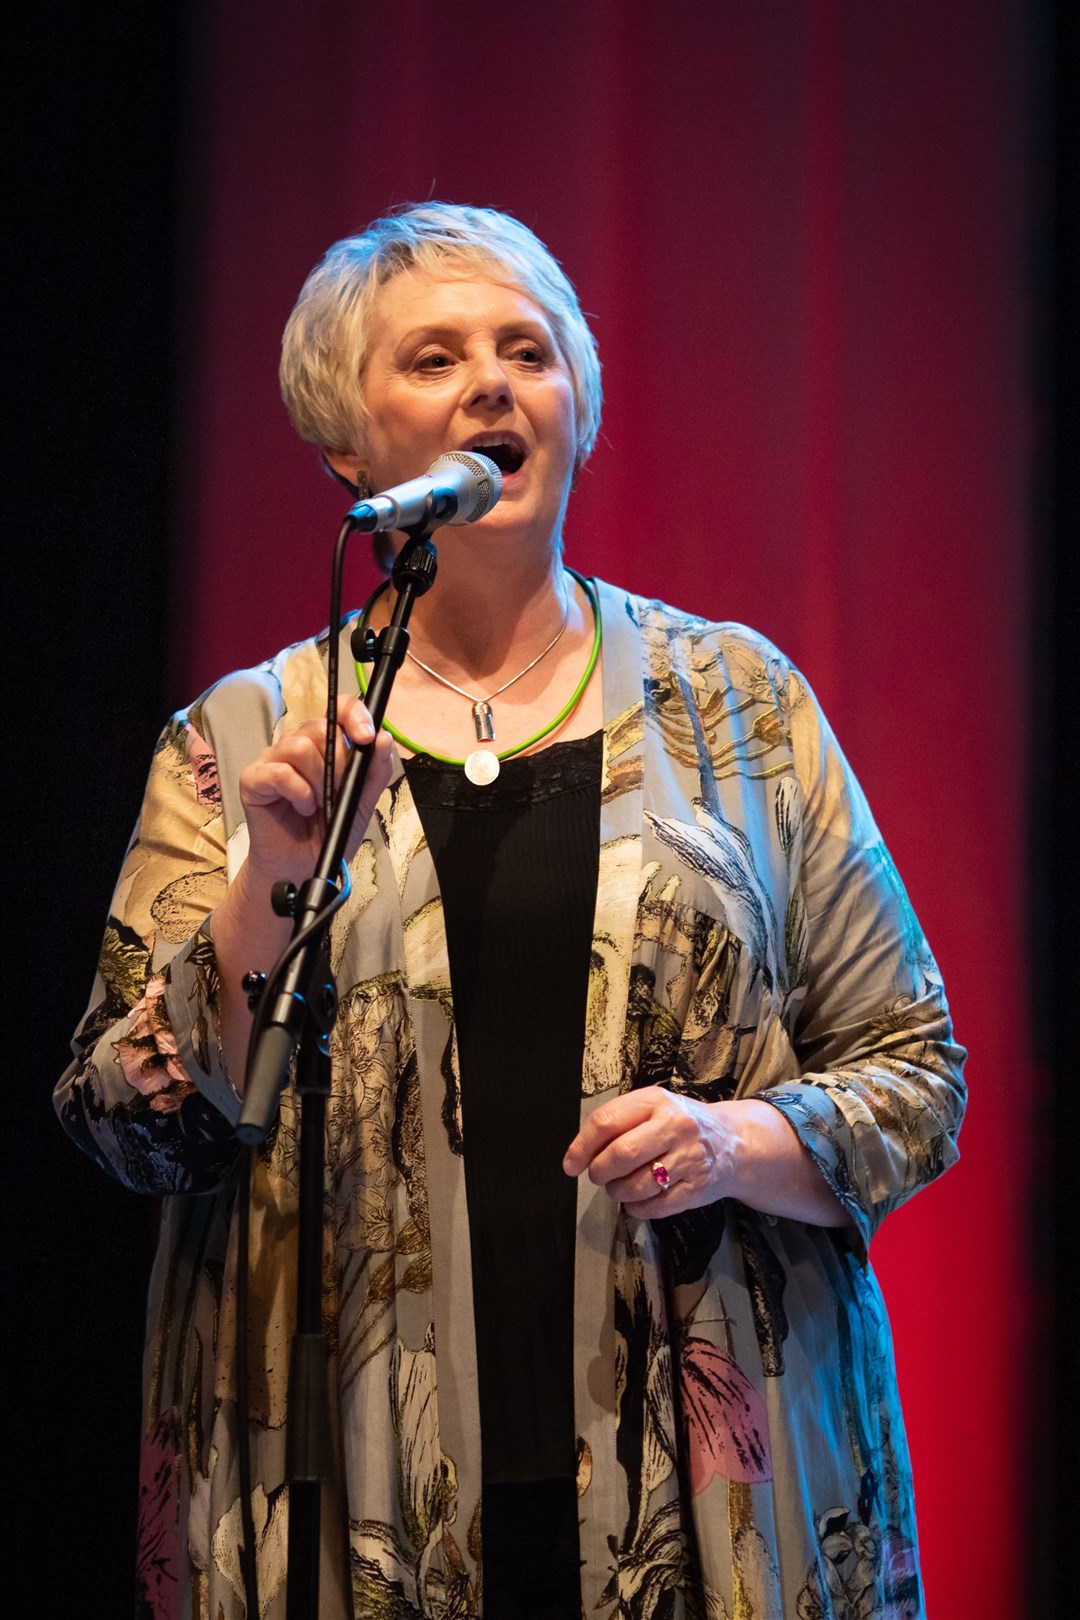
{"x": 348, "y": 528}
{"x": 248, "y": 1560}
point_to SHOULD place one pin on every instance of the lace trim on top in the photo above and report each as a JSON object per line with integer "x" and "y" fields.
{"x": 527, "y": 779}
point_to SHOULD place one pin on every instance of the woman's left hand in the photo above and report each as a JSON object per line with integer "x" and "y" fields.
{"x": 624, "y": 1138}
{"x": 744, "y": 1149}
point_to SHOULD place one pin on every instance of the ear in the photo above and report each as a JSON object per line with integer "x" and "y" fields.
{"x": 342, "y": 465}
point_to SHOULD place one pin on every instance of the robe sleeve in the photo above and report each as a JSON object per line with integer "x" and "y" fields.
{"x": 881, "y": 1093}
{"x": 147, "y": 1096}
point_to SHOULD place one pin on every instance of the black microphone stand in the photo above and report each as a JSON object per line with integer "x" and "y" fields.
{"x": 295, "y": 1007}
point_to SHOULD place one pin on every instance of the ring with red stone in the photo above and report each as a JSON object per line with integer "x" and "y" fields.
{"x": 660, "y": 1174}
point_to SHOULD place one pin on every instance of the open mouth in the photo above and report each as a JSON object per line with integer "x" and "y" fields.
{"x": 506, "y": 450}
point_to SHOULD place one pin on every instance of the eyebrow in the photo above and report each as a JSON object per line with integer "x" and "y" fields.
{"x": 524, "y": 323}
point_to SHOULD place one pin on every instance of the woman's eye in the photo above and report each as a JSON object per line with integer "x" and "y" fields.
{"x": 531, "y": 354}
{"x": 434, "y": 362}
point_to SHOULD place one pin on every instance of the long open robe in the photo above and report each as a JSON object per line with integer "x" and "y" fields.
{"x": 740, "y": 1443}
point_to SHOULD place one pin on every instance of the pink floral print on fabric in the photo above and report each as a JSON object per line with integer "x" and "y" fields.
{"x": 148, "y": 1054}
{"x": 727, "y": 1427}
{"x": 204, "y": 768}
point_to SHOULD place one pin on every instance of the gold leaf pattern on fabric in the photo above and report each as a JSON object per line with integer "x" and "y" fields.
{"x": 417, "y": 1276}
{"x": 449, "y": 1591}
{"x": 410, "y": 1239}
{"x": 122, "y": 964}
{"x": 373, "y": 1127}
{"x": 271, "y": 1520}
{"x": 660, "y": 1446}
{"x": 718, "y": 960}
{"x": 720, "y": 853}
{"x": 756, "y": 1577}
{"x": 399, "y": 821}
{"x": 303, "y": 687}
{"x": 271, "y": 1311}
{"x": 364, "y": 891}
{"x": 624, "y": 776}
{"x": 626, "y": 731}
{"x": 703, "y": 1602}
{"x": 653, "y": 1565}
{"x": 651, "y": 1036}
{"x": 427, "y": 1478}
{"x": 624, "y": 764}
{"x": 384, "y": 1573}
{"x": 689, "y": 709}
{"x": 609, "y": 964}
{"x": 382, "y": 1284}
{"x": 204, "y": 1030}
{"x": 180, "y": 904}
{"x": 425, "y": 949}
{"x": 583, "y": 1472}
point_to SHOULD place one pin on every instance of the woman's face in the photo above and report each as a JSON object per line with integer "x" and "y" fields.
{"x": 456, "y": 364}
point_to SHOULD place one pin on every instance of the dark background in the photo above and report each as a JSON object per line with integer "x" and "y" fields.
{"x": 111, "y": 149}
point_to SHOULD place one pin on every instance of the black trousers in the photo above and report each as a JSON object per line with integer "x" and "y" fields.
{"x": 531, "y": 1560}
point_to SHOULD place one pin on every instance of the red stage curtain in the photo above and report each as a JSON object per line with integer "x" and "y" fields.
{"x": 802, "y": 231}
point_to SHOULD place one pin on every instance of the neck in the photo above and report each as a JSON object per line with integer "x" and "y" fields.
{"x": 490, "y": 606}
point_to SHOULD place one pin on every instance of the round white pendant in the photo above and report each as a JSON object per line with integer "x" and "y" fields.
{"x": 481, "y": 768}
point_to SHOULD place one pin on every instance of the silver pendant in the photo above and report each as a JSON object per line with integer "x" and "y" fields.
{"x": 483, "y": 721}
{"x": 481, "y": 768}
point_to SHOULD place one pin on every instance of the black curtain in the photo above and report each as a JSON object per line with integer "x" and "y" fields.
{"x": 1055, "y": 788}
{"x": 94, "y": 159}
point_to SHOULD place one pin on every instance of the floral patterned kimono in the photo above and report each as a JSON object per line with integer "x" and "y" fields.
{"x": 740, "y": 1444}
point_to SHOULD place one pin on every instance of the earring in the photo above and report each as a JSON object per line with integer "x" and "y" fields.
{"x": 363, "y": 485}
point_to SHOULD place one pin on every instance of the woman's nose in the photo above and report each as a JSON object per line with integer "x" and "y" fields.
{"x": 489, "y": 381}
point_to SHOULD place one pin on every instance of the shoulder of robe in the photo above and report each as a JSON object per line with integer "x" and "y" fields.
{"x": 748, "y": 658}
{"x": 283, "y": 691}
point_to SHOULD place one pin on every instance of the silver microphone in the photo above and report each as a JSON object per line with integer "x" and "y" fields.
{"x": 465, "y": 485}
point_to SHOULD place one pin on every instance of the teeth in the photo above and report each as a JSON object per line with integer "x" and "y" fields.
{"x": 505, "y": 449}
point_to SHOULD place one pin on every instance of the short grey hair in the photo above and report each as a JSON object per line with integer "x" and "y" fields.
{"x": 325, "y": 343}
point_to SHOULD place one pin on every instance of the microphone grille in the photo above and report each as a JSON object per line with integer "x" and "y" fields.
{"x": 485, "y": 485}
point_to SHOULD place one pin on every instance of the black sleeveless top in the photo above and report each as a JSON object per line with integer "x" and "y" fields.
{"x": 517, "y": 863}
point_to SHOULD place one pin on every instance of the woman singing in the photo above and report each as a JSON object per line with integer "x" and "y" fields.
{"x": 638, "y": 1041}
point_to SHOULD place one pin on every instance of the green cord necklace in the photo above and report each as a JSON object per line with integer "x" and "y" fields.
{"x": 482, "y": 767}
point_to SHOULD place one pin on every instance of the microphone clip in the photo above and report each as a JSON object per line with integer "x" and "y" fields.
{"x": 363, "y": 642}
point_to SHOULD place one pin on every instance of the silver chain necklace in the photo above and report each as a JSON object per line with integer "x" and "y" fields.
{"x": 483, "y": 718}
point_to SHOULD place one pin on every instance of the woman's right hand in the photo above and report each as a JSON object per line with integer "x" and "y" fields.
{"x": 282, "y": 795}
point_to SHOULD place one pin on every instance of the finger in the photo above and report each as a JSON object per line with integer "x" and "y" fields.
{"x": 379, "y": 773}
{"x": 273, "y": 774}
{"x": 278, "y": 781}
{"x": 355, "y": 721}
{"x": 628, "y": 1153}
{"x": 642, "y": 1183}
{"x": 673, "y": 1202}
{"x": 606, "y": 1125}
{"x": 306, "y": 746}
{"x": 382, "y": 764}
{"x": 303, "y": 750}
{"x": 354, "y": 729}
